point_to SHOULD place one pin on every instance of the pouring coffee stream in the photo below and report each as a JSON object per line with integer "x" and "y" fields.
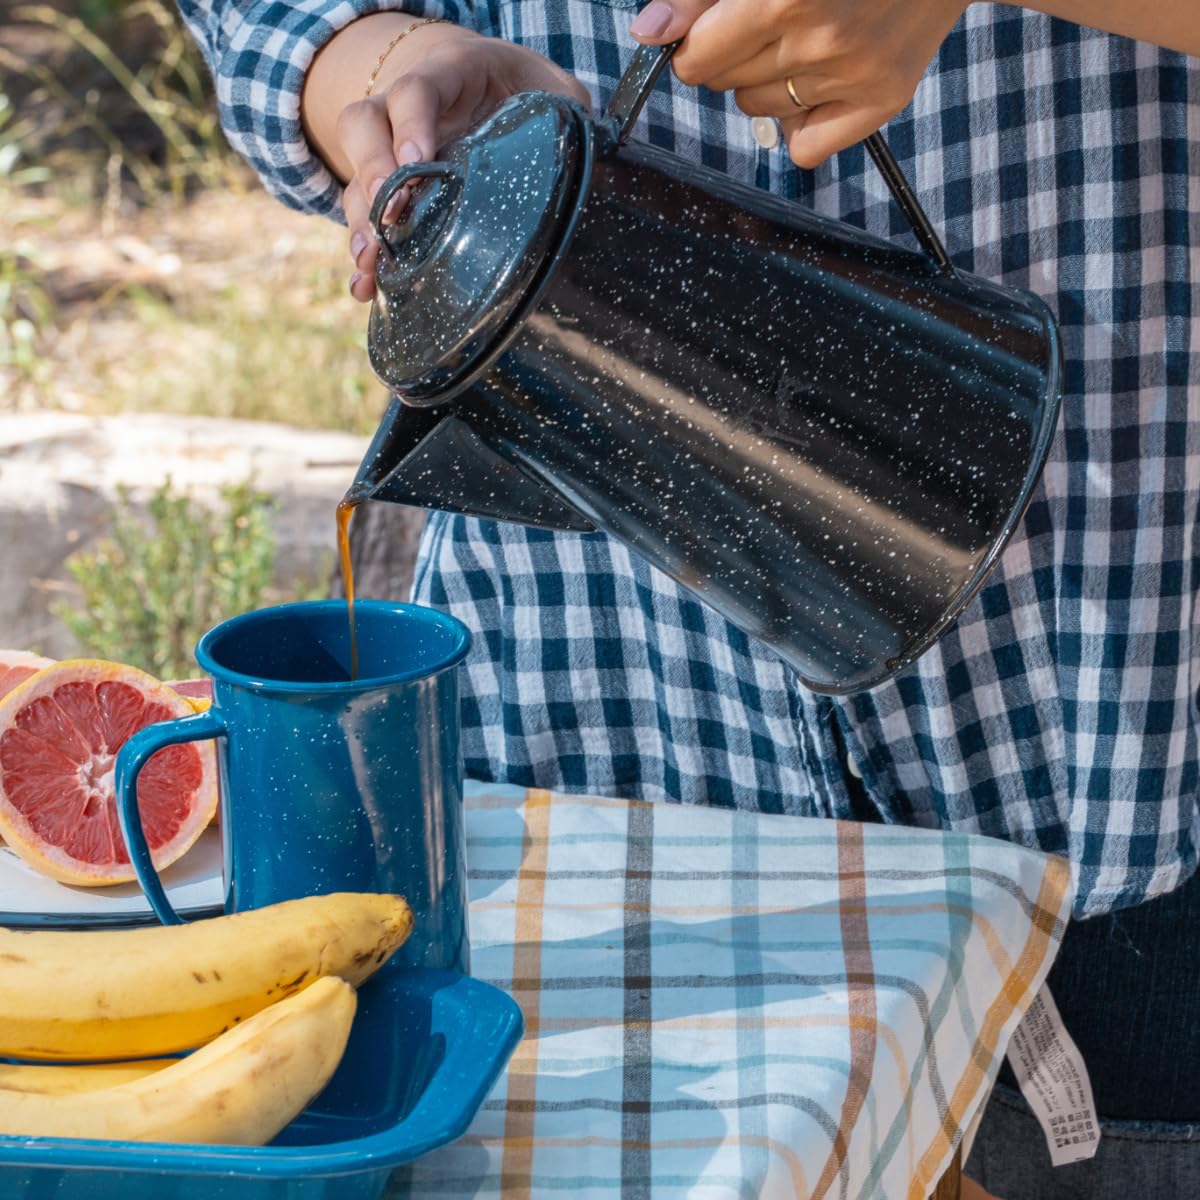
{"x": 828, "y": 438}
{"x": 346, "y": 509}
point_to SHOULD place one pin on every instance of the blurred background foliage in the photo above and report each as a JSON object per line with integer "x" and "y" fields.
{"x": 142, "y": 267}
{"x": 124, "y": 76}
{"x": 164, "y": 575}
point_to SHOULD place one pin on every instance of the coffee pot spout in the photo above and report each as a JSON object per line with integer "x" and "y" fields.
{"x": 431, "y": 458}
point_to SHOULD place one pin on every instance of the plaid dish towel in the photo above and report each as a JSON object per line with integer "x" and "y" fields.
{"x": 726, "y": 1004}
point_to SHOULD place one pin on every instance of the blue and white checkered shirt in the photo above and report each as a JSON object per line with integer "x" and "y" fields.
{"x": 1061, "y": 710}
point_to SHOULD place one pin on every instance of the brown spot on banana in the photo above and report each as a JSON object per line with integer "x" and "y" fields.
{"x": 290, "y": 985}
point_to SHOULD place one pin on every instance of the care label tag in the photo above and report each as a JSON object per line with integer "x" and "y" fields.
{"x": 1054, "y": 1081}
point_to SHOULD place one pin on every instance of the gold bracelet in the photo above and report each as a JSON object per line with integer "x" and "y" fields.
{"x": 395, "y": 42}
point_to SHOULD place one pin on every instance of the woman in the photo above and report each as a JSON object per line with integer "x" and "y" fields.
{"x": 1060, "y": 711}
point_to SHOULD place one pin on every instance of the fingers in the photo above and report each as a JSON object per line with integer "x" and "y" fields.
{"x": 774, "y": 100}
{"x": 438, "y": 96}
{"x": 722, "y": 38}
{"x": 364, "y": 248}
{"x": 415, "y": 102}
{"x": 378, "y": 135}
{"x": 533, "y": 76}
{"x": 364, "y": 242}
{"x": 813, "y": 136}
{"x": 736, "y": 45}
{"x": 807, "y": 53}
{"x": 667, "y": 20}
{"x": 772, "y": 62}
{"x": 365, "y": 134}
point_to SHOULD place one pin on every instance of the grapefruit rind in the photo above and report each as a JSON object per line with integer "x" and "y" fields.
{"x": 197, "y": 692}
{"x": 162, "y": 703}
{"x": 16, "y": 666}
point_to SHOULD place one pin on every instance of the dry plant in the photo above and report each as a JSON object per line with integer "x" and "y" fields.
{"x": 166, "y": 86}
{"x": 141, "y": 265}
{"x": 162, "y": 577}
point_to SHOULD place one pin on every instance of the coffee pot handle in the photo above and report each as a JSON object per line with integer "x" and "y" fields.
{"x": 906, "y": 198}
{"x": 638, "y": 82}
{"x": 634, "y": 88}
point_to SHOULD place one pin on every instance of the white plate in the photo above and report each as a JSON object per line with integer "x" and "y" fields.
{"x": 194, "y": 886}
{"x": 27, "y": 898}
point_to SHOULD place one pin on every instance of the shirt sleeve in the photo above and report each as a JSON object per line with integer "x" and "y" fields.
{"x": 259, "y": 52}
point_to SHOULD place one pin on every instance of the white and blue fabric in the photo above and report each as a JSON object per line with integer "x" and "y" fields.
{"x": 1061, "y": 711}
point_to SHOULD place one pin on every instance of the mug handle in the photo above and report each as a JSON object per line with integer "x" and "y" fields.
{"x": 131, "y": 758}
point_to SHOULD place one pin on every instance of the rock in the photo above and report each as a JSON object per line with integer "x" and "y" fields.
{"x": 59, "y": 480}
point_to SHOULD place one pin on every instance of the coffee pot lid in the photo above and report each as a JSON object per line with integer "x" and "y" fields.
{"x": 458, "y": 271}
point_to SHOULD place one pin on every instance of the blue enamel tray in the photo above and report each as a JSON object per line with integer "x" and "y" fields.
{"x": 426, "y": 1048}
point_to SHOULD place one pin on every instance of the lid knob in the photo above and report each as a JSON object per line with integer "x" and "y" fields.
{"x": 401, "y": 178}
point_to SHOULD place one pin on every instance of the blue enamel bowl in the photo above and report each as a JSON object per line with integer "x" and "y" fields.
{"x": 426, "y": 1048}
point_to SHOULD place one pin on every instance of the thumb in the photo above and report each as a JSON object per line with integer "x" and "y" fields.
{"x": 667, "y": 20}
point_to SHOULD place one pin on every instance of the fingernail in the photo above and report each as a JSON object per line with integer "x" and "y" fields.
{"x": 652, "y": 20}
{"x": 376, "y": 186}
{"x": 393, "y": 206}
{"x": 354, "y": 280}
{"x": 409, "y": 152}
{"x": 358, "y": 243}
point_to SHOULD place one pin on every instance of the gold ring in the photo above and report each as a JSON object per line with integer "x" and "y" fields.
{"x": 796, "y": 99}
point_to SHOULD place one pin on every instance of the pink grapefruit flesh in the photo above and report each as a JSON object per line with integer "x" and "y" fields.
{"x": 197, "y": 690}
{"x": 60, "y": 731}
{"x": 17, "y": 665}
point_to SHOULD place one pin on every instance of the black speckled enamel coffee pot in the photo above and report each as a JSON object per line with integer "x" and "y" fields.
{"x": 825, "y": 437}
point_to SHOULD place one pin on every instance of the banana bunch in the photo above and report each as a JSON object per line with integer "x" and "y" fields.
{"x": 240, "y": 1089}
{"x": 267, "y": 996}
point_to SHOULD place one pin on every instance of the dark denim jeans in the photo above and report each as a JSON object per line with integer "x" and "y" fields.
{"x": 1136, "y": 1160}
{"x": 1128, "y": 987}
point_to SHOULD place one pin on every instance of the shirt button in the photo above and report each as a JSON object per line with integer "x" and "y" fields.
{"x": 765, "y": 131}
{"x": 853, "y": 767}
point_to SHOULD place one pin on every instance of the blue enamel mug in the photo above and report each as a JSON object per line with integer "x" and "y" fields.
{"x": 330, "y": 783}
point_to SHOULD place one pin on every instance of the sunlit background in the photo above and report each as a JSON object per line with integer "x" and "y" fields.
{"x": 156, "y": 308}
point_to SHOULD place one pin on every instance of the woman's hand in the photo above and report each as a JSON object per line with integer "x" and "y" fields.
{"x": 853, "y": 64}
{"x": 437, "y": 83}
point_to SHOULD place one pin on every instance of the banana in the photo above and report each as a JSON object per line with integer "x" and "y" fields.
{"x": 138, "y": 993}
{"x": 48, "y": 1080}
{"x": 239, "y": 1090}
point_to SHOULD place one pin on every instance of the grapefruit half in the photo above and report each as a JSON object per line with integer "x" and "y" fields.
{"x": 60, "y": 731}
{"x": 17, "y": 665}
